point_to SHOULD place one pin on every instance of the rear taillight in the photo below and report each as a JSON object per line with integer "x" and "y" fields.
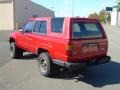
{"x": 69, "y": 50}
{"x": 69, "y": 47}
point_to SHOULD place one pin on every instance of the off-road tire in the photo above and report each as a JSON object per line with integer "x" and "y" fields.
{"x": 45, "y": 64}
{"x": 15, "y": 52}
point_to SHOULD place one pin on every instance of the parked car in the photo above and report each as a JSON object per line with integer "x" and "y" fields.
{"x": 68, "y": 42}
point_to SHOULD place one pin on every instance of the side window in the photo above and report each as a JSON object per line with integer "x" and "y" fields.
{"x": 28, "y": 27}
{"x": 57, "y": 25}
{"x": 40, "y": 27}
{"x": 43, "y": 27}
{"x": 37, "y": 26}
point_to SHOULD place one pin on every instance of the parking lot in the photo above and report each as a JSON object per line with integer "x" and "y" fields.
{"x": 23, "y": 74}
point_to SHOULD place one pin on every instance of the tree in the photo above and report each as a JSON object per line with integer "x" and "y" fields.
{"x": 118, "y": 5}
{"x": 94, "y": 16}
{"x": 103, "y": 16}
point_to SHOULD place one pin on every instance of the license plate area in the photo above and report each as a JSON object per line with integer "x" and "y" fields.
{"x": 90, "y": 48}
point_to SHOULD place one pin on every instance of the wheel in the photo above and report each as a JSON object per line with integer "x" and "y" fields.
{"x": 45, "y": 64}
{"x": 15, "y": 52}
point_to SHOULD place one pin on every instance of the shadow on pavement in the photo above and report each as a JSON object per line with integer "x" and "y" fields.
{"x": 97, "y": 76}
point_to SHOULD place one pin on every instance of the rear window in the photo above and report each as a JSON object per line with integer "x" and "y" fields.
{"x": 86, "y": 30}
{"x": 57, "y": 25}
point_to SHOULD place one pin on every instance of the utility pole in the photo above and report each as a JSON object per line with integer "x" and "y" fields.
{"x": 73, "y": 9}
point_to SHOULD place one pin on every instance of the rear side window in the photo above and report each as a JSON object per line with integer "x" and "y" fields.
{"x": 57, "y": 25}
{"x": 86, "y": 30}
{"x": 40, "y": 27}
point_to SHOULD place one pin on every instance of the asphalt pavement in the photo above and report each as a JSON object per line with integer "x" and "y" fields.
{"x": 4, "y": 47}
{"x": 23, "y": 74}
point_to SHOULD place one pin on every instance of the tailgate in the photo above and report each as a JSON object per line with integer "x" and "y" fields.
{"x": 88, "y": 40}
{"x": 87, "y": 49}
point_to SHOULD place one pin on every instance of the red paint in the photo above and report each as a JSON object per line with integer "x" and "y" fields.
{"x": 61, "y": 46}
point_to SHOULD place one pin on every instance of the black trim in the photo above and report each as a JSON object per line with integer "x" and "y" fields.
{"x": 76, "y": 66}
{"x": 69, "y": 65}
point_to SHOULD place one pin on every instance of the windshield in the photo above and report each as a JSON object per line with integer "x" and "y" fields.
{"x": 86, "y": 30}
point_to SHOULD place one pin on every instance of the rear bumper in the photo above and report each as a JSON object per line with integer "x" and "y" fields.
{"x": 69, "y": 65}
{"x": 76, "y": 66}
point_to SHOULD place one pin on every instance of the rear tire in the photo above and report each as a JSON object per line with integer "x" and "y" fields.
{"x": 15, "y": 52}
{"x": 45, "y": 64}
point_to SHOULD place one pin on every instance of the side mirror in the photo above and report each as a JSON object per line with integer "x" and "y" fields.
{"x": 21, "y": 30}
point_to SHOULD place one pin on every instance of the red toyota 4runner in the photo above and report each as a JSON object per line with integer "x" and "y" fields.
{"x": 67, "y": 42}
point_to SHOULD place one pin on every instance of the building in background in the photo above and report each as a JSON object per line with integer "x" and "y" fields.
{"x": 14, "y": 13}
{"x": 115, "y": 17}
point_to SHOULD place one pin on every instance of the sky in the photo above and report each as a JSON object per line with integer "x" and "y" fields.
{"x": 80, "y": 8}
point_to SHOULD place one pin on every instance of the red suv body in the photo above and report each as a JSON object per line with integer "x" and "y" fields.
{"x": 68, "y": 42}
